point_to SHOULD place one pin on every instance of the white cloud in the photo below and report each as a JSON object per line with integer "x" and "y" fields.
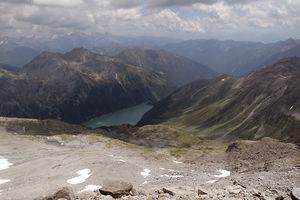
{"x": 169, "y": 20}
{"x": 219, "y": 10}
{"x": 205, "y": 18}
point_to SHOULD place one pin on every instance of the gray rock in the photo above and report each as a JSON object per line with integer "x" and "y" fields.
{"x": 295, "y": 194}
{"x": 280, "y": 198}
{"x": 179, "y": 191}
{"x": 235, "y": 189}
{"x": 168, "y": 191}
{"x": 138, "y": 192}
{"x": 201, "y": 192}
{"x": 116, "y": 189}
{"x": 260, "y": 197}
{"x": 65, "y": 193}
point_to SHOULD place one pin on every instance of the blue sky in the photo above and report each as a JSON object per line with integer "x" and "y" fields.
{"x": 252, "y": 20}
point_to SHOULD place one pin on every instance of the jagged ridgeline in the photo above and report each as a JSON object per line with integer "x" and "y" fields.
{"x": 80, "y": 85}
{"x": 265, "y": 103}
{"x": 77, "y": 86}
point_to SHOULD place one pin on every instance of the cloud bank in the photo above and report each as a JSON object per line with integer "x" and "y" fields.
{"x": 232, "y": 19}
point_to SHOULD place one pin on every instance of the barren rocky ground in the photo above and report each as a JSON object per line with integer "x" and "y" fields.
{"x": 37, "y": 166}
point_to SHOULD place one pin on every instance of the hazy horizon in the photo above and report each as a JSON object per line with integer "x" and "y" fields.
{"x": 175, "y": 39}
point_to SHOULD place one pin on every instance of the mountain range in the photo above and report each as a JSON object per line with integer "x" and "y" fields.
{"x": 77, "y": 86}
{"x": 80, "y": 85}
{"x": 20, "y": 51}
{"x": 235, "y": 57}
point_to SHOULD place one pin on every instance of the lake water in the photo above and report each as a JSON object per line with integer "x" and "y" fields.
{"x": 126, "y": 116}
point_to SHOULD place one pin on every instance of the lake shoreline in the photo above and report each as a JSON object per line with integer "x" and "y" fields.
{"x": 85, "y": 124}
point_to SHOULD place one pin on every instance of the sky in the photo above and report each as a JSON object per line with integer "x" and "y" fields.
{"x": 251, "y": 20}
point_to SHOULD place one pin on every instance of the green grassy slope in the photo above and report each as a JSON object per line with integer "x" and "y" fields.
{"x": 265, "y": 103}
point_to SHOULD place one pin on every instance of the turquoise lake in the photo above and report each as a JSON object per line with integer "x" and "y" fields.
{"x": 126, "y": 116}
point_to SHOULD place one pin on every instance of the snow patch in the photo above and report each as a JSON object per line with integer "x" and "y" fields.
{"x": 90, "y": 188}
{"x": 83, "y": 175}
{"x": 146, "y": 173}
{"x": 171, "y": 176}
{"x": 171, "y": 170}
{"x": 212, "y": 181}
{"x": 223, "y": 79}
{"x": 4, "y": 164}
{"x": 291, "y": 107}
{"x": 145, "y": 182}
{"x": 162, "y": 168}
{"x": 111, "y": 155}
{"x": 223, "y": 173}
{"x": 2, "y": 181}
{"x": 122, "y": 160}
{"x": 177, "y": 162}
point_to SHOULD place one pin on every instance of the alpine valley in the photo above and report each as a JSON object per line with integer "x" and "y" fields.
{"x": 221, "y": 123}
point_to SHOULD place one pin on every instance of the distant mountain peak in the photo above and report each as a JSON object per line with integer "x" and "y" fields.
{"x": 178, "y": 69}
{"x": 78, "y": 54}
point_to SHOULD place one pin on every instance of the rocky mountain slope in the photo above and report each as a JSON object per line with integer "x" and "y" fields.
{"x": 265, "y": 103}
{"x": 38, "y": 158}
{"x": 77, "y": 86}
{"x": 177, "y": 69}
{"x": 235, "y": 57}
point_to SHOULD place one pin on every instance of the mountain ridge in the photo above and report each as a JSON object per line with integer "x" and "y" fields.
{"x": 77, "y": 86}
{"x": 177, "y": 69}
{"x": 263, "y": 104}
{"x": 237, "y": 58}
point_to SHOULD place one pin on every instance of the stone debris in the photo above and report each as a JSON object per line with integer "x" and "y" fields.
{"x": 125, "y": 191}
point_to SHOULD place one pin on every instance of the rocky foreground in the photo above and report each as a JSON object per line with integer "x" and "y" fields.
{"x": 92, "y": 166}
{"x": 123, "y": 190}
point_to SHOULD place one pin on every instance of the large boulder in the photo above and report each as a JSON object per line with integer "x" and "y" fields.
{"x": 295, "y": 194}
{"x": 116, "y": 189}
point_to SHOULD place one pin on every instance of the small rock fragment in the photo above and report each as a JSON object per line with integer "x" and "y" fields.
{"x": 234, "y": 190}
{"x": 201, "y": 192}
{"x": 259, "y": 195}
{"x": 168, "y": 191}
